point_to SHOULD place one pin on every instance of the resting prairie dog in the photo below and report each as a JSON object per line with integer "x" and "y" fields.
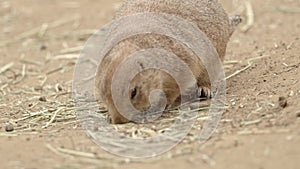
{"x": 210, "y": 18}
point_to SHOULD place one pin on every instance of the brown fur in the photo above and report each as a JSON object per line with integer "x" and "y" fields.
{"x": 209, "y": 17}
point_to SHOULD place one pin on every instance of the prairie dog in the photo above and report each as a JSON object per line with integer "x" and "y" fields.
{"x": 210, "y": 18}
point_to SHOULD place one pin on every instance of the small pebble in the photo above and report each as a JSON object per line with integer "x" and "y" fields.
{"x": 291, "y": 94}
{"x": 43, "y": 47}
{"x": 282, "y": 102}
{"x": 298, "y": 115}
{"x": 58, "y": 88}
{"x": 9, "y": 128}
{"x": 43, "y": 99}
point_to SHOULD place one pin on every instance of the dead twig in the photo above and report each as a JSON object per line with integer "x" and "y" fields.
{"x": 71, "y": 50}
{"x": 89, "y": 155}
{"x": 54, "y": 70}
{"x": 23, "y": 74}
{"x": 248, "y": 123}
{"x": 258, "y": 132}
{"x": 55, "y": 151}
{"x": 53, "y": 117}
{"x": 8, "y": 135}
{"x": 6, "y": 67}
{"x": 28, "y": 117}
{"x": 68, "y": 56}
{"x": 250, "y": 17}
{"x": 250, "y": 62}
{"x": 32, "y": 62}
{"x": 43, "y": 30}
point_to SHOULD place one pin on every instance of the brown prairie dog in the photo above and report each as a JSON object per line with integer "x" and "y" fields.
{"x": 210, "y": 18}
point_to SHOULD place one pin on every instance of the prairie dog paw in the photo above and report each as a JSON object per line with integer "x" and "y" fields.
{"x": 204, "y": 92}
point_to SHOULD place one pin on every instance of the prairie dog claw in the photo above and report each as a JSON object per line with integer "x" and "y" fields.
{"x": 204, "y": 92}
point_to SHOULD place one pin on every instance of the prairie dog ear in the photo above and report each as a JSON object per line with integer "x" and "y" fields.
{"x": 234, "y": 22}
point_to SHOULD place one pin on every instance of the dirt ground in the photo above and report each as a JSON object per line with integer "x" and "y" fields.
{"x": 257, "y": 131}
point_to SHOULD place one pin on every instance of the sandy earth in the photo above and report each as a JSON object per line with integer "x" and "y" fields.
{"x": 255, "y": 131}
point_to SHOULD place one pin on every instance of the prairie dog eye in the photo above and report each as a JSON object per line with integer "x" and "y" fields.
{"x": 133, "y": 92}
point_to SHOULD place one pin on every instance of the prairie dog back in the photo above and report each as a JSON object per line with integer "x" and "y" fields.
{"x": 209, "y": 16}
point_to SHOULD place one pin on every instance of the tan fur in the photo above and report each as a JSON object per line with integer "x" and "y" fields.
{"x": 209, "y": 17}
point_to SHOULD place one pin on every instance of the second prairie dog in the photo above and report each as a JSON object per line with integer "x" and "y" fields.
{"x": 209, "y": 16}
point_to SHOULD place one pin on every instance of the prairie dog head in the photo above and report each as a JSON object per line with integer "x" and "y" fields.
{"x": 152, "y": 80}
{"x": 147, "y": 90}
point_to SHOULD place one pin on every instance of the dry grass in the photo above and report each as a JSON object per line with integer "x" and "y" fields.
{"x": 52, "y": 111}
